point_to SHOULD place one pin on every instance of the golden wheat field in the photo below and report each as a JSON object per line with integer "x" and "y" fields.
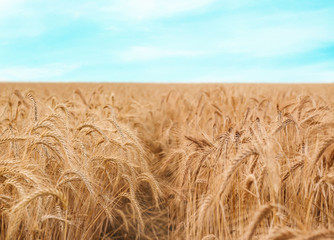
{"x": 154, "y": 161}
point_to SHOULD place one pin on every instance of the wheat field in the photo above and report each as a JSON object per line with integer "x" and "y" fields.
{"x": 155, "y": 161}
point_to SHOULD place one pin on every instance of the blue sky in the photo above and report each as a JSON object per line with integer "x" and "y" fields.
{"x": 167, "y": 40}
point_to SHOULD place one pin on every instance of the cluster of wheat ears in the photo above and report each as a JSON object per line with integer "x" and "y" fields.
{"x": 167, "y": 162}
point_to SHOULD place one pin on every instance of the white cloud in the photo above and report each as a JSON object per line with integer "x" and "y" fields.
{"x": 6, "y": 4}
{"x": 314, "y": 73}
{"x": 276, "y": 41}
{"x": 36, "y": 73}
{"x": 18, "y": 20}
{"x": 278, "y": 34}
{"x": 10, "y": 7}
{"x": 146, "y": 53}
{"x": 150, "y": 9}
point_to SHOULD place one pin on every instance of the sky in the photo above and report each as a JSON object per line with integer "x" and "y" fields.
{"x": 167, "y": 41}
